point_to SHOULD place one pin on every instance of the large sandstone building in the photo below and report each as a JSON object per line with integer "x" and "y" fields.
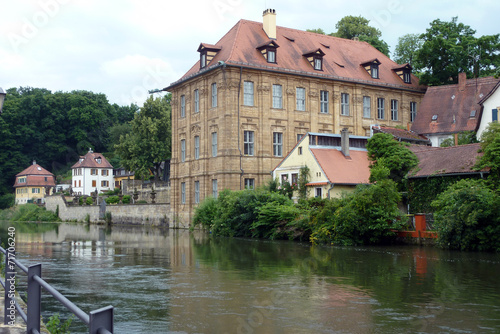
{"x": 244, "y": 105}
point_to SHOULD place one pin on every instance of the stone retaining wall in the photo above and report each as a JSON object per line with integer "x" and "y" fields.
{"x": 127, "y": 214}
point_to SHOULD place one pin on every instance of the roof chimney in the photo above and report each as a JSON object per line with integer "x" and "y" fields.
{"x": 269, "y": 18}
{"x": 34, "y": 162}
{"x": 344, "y": 141}
{"x": 462, "y": 79}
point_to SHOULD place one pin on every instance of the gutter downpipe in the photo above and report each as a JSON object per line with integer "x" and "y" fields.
{"x": 239, "y": 135}
{"x": 331, "y": 187}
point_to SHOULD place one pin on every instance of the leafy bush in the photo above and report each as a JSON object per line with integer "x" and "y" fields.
{"x": 54, "y": 325}
{"x": 112, "y": 200}
{"x": 364, "y": 217}
{"x": 32, "y": 212}
{"x": 126, "y": 199}
{"x": 467, "y": 217}
{"x": 89, "y": 201}
{"x": 7, "y": 200}
{"x": 115, "y": 191}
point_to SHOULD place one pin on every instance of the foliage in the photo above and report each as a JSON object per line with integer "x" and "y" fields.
{"x": 406, "y": 49}
{"x": 490, "y": 146}
{"x": 148, "y": 145}
{"x": 364, "y": 217}
{"x": 350, "y": 27}
{"x": 450, "y": 48}
{"x": 464, "y": 138}
{"x": 54, "y": 129}
{"x": 7, "y": 200}
{"x": 392, "y": 156}
{"x": 422, "y": 191}
{"x": 54, "y": 325}
{"x": 115, "y": 191}
{"x": 108, "y": 217}
{"x": 467, "y": 217}
{"x": 126, "y": 199}
{"x": 112, "y": 199}
{"x": 89, "y": 201}
{"x": 303, "y": 180}
{"x": 28, "y": 212}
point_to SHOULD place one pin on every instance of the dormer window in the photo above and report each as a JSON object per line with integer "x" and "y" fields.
{"x": 372, "y": 67}
{"x": 404, "y": 72}
{"x": 315, "y": 58}
{"x": 268, "y": 50}
{"x": 98, "y": 160}
{"x": 207, "y": 53}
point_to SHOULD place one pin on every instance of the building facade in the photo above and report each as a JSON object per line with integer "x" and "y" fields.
{"x": 33, "y": 183}
{"x": 91, "y": 173}
{"x": 248, "y": 100}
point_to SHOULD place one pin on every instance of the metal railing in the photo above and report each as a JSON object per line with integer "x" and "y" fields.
{"x": 99, "y": 321}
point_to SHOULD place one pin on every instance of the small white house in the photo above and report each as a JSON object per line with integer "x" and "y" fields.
{"x": 491, "y": 108}
{"x": 92, "y": 172}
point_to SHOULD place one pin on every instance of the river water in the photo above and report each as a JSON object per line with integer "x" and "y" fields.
{"x": 174, "y": 281}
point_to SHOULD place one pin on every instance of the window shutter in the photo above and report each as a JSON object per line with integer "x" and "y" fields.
{"x": 494, "y": 115}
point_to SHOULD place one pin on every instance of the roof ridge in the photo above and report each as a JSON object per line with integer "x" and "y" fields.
{"x": 238, "y": 24}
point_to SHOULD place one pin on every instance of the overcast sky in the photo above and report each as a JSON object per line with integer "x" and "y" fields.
{"x": 125, "y": 48}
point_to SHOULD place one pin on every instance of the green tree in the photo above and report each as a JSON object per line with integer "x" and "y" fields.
{"x": 391, "y": 159}
{"x": 466, "y": 217}
{"x": 490, "y": 147}
{"x": 406, "y": 49}
{"x": 358, "y": 26}
{"x": 317, "y": 31}
{"x": 464, "y": 138}
{"x": 149, "y": 144}
{"x": 450, "y": 48}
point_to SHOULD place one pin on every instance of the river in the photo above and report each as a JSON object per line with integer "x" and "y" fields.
{"x": 174, "y": 281}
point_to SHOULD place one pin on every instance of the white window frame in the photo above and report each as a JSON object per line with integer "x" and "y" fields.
{"x": 300, "y": 98}
{"x": 380, "y": 108}
{"x": 271, "y": 55}
{"x": 183, "y": 150}
{"x": 318, "y": 64}
{"x": 248, "y": 143}
{"x": 196, "y": 101}
{"x": 183, "y": 192}
{"x": 278, "y": 144}
{"x": 413, "y": 111}
{"x": 196, "y": 192}
{"x": 248, "y": 93}
{"x": 277, "y": 97}
{"x": 196, "y": 147}
{"x": 367, "y": 107}
{"x": 394, "y": 109}
{"x": 183, "y": 106}
{"x": 344, "y": 104}
{"x": 214, "y": 94}
{"x": 324, "y": 101}
{"x": 214, "y": 144}
{"x": 250, "y": 183}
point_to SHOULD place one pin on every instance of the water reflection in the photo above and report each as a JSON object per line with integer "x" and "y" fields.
{"x": 179, "y": 282}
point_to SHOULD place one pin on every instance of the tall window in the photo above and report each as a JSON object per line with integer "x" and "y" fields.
{"x": 215, "y": 191}
{"x": 183, "y": 106}
{"x": 494, "y": 115}
{"x": 271, "y": 56}
{"x": 214, "y": 95}
{"x": 249, "y": 183}
{"x": 367, "y": 109}
{"x": 301, "y": 98}
{"x": 277, "y": 144}
{"x": 183, "y": 150}
{"x": 196, "y": 192}
{"x": 413, "y": 111}
{"x": 183, "y": 193}
{"x": 375, "y": 71}
{"x": 323, "y": 98}
{"x": 248, "y": 93}
{"x": 196, "y": 147}
{"x": 380, "y": 108}
{"x": 277, "y": 97}
{"x": 203, "y": 60}
{"x": 299, "y": 136}
{"x": 317, "y": 64}
{"x": 394, "y": 110}
{"x": 248, "y": 142}
{"x": 344, "y": 104}
{"x": 317, "y": 192}
{"x": 94, "y": 183}
{"x": 214, "y": 144}
{"x": 407, "y": 77}
{"x": 196, "y": 101}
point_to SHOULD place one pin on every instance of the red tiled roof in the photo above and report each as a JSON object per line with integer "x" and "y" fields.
{"x": 452, "y": 107}
{"x": 342, "y": 170}
{"x": 401, "y": 133}
{"x": 90, "y": 161}
{"x": 445, "y": 160}
{"x": 342, "y": 59}
{"x": 36, "y": 175}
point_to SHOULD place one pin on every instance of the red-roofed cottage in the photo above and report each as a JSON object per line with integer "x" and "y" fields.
{"x": 92, "y": 172}
{"x": 33, "y": 183}
{"x": 334, "y": 166}
{"x": 252, "y": 94}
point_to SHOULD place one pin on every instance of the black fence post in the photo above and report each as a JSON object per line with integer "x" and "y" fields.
{"x": 101, "y": 318}
{"x": 10, "y": 286}
{"x": 34, "y": 299}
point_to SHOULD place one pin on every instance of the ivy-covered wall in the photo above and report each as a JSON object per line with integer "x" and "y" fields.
{"x": 422, "y": 191}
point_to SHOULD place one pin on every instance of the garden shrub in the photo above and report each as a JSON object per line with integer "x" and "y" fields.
{"x": 466, "y": 217}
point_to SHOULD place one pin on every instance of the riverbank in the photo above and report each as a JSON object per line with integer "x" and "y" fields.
{"x": 19, "y": 327}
